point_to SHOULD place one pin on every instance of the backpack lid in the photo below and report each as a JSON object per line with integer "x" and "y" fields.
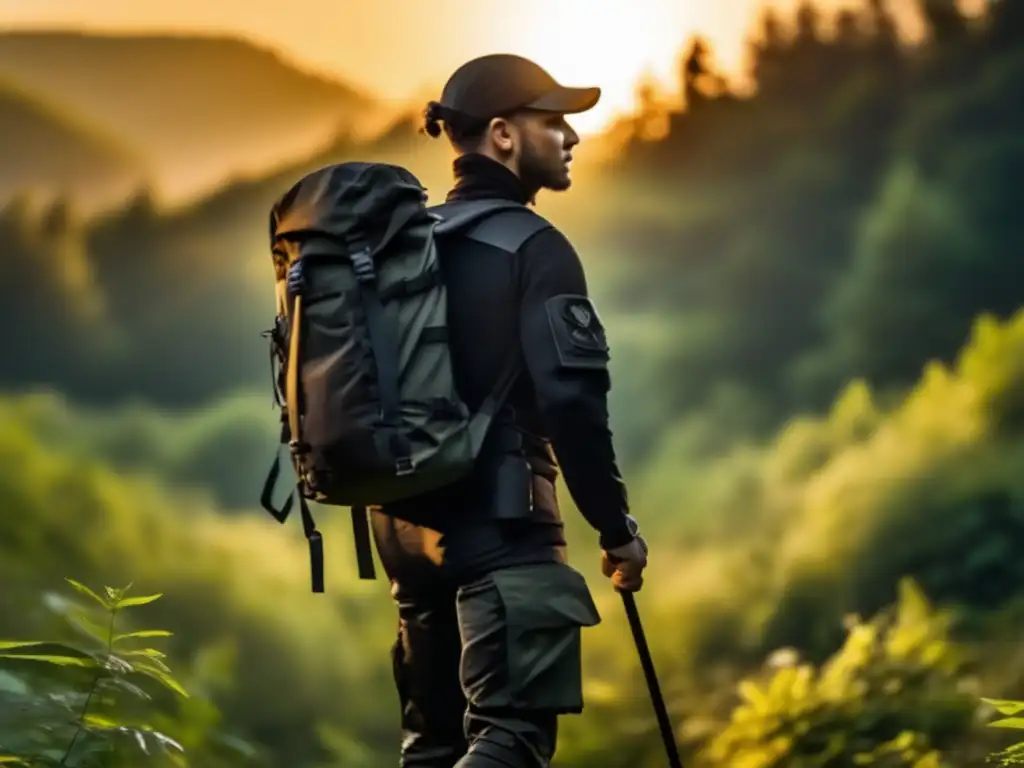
{"x": 338, "y": 200}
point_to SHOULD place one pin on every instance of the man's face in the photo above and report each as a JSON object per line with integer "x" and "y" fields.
{"x": 542, "y": 144}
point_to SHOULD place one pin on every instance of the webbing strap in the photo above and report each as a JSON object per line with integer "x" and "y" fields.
{"x": 403, "y": 288}
{"x": 480, "y": 422}
{"x": 384, "y": 340}
{"x": 361, "y": 535}
{"x": 313, "y": 536}
{"x": 316, "y": 543}
{"x": 434, "y": 334}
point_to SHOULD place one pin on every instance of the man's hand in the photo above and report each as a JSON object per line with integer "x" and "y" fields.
{"x": 625, "y": 565}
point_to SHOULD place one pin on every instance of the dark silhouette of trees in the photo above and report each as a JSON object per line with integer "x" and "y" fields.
{"x": 865, "y": 185}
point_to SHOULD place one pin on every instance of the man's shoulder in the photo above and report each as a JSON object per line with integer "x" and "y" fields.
{"x": 510, "y": 229}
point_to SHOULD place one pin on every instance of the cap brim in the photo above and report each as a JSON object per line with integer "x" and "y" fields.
{"x": 568, "y": 101}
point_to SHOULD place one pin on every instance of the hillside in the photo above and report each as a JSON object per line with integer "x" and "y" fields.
{"x": 49, "y": 151}
{"x": 199, "y": 109}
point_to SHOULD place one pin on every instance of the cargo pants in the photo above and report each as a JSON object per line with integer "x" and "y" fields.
{"x": 484, "y": 670}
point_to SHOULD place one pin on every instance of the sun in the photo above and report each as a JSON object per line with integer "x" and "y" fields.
{"x": 609, "y": 43}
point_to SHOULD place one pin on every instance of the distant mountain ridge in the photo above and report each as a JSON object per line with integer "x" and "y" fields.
{"x": 47, "y": 150}
{"x": 198, "y": 109}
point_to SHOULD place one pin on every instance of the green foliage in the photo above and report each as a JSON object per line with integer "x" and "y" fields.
{"x": 845, "y": 505}
{"x": 237, "y": 593}
{"x": 225, "y": 447}
{"x": 914, "y": 255}
{"x": 1014, "y": 754}
{"x": 886, "y": 698}
{"x": 53, "y": 722}
{"x": 103, "y": 697}
{"x": 937, "y": 482}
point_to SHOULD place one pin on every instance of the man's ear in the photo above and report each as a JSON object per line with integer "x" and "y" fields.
{"x": 502, "y": 134}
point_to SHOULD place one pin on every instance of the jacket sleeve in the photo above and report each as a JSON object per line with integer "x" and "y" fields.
{"x": 566, "y": 356}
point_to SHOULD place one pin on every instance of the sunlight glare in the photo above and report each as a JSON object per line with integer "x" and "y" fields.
{"x": 608, "y": 43}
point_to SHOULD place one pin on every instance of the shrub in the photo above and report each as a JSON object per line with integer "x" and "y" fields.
{"x": 888, "y": 697}
{"x": 80, "y": 706}
{"x": 1014, "y": 754}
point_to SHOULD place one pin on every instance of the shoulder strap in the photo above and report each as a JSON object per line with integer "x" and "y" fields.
{"x": 508, "y": 230}
{"x": 456, "y": 215}
{"x": 478, "y": 220}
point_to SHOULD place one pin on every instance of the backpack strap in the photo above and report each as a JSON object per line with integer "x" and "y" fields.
{"x": 385, "y": 342}
{"x": 507, "y": 230}
{"x": 386, "y": 346}
{"x": 457, "y": 215}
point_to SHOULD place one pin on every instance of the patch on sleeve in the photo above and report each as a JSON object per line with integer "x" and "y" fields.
{"x": 578, "y": 334}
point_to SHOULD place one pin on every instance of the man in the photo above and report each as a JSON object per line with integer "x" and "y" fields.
{"x": 488, "y": 654}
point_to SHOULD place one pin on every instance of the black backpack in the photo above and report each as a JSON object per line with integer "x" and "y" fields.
{"x": 359, "y": 355}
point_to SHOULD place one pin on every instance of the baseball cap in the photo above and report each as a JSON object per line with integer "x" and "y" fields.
{"x": 501, "y": 83}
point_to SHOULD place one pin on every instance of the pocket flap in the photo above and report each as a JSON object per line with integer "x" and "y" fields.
{"x": 545, "y": 596}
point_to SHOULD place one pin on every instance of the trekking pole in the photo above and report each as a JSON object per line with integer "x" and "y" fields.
{"x": 660, "y": 710}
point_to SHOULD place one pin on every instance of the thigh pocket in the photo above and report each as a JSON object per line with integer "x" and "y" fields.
{"x": 535, "y": 618}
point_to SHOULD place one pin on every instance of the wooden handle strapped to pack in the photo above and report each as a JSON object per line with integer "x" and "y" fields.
{"x": 316, "y": 544}
{"x": 291, "y": 394}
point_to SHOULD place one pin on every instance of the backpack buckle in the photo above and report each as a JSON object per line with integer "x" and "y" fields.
{"x": 296, "y": 280}
{"x": 362, "y": 265}
{"x": 360, "y": 255}
{"x": 404, "y": 466}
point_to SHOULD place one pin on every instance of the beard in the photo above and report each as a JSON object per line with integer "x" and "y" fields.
{"x": 539, "y": 171}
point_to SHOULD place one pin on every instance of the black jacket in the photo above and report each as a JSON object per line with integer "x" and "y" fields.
{"x": 555, "y": 405}
{"x": 535, "y": 302}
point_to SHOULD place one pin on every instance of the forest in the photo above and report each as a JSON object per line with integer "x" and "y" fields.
{"x": 818, "y": 399}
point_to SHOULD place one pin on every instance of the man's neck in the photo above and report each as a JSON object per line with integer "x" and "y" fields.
{"x": 480, "y": 176}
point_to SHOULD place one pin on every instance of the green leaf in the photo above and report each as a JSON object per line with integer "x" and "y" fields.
{"x": 1008, "y": 722}
{"x": 6, "y": 645}
{"x": 166, "y": 742}
{"x": 88, "y": 592}
{"x": 161, "y": 677}
{"x": 88, "y": 627}
{"x": 143, "y": 633}
{"x": 120, "y": 683}
{"x": 129, "y": 602}
{"x": 11, "y": 760}
{"x": 60, "y": 661}
{"x": 12, "y": 684}
{"x": 99, "y": 721}
{"x": 118, "y": 665}
{"x": 1005, "y": 706}
{"x": 149, "y": 653}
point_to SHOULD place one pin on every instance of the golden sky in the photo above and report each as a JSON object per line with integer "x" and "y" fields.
{"x": 406, "y": 48}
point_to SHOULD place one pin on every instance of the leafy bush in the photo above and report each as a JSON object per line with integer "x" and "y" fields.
{"x": 236, "y": 590}
{"x": 223, "y": 448}
{"x": 932, "y": 491}
{"x": 1014, "y": 754}
{"x": 82, "y": 707}
{"x": 889, "y": 697}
